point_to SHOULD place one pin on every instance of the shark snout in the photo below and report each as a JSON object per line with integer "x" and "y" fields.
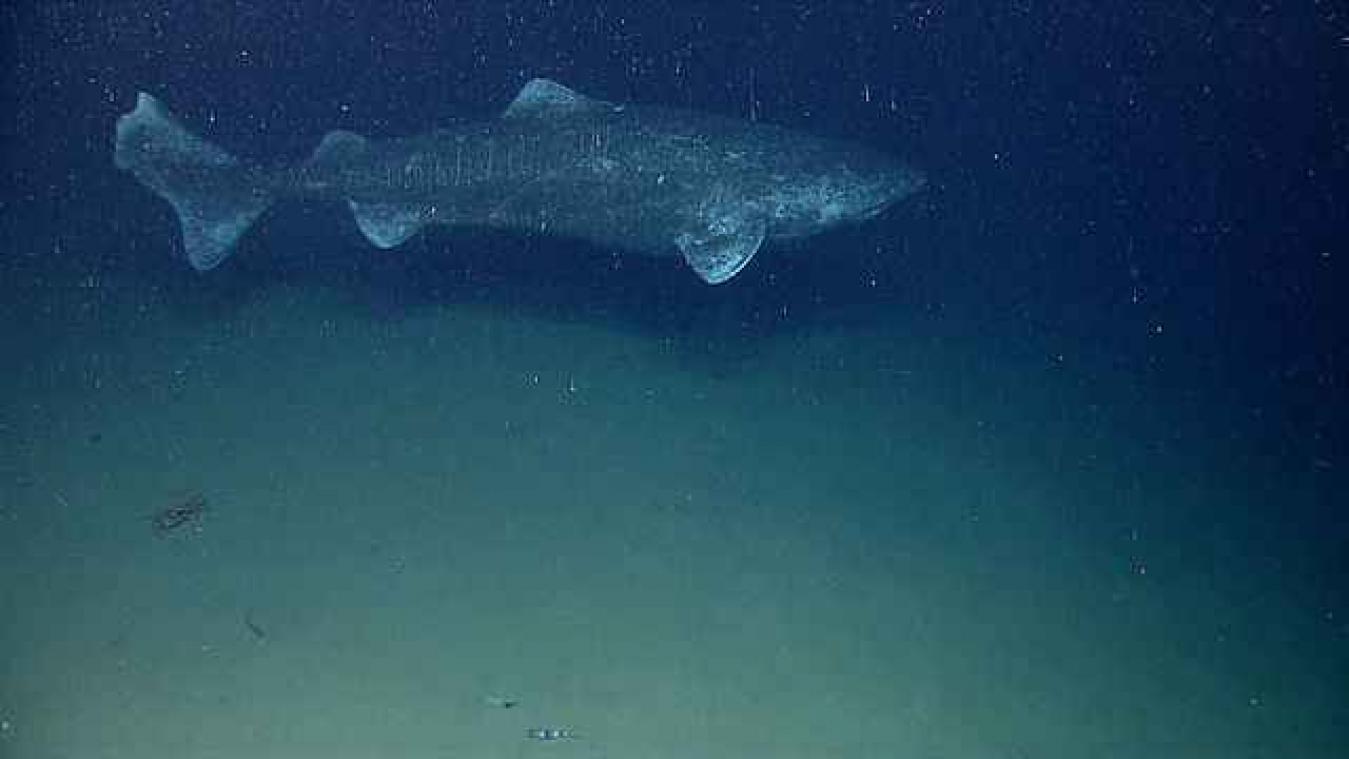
{"x": 872, "y": 192}
{"x": 890, "y": 186}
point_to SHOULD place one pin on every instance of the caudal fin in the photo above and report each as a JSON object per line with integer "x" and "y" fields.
{"x": 216, "y": 197}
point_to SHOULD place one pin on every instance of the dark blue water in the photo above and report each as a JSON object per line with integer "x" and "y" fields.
{"x": 1109, "y": 332}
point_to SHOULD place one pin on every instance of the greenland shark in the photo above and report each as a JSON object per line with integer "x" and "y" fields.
{"x": 646, "y": 179}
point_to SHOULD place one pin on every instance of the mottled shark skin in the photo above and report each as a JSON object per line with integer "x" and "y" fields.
{"x": 646, "y": 179}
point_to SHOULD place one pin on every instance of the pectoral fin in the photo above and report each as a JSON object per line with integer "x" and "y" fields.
{"x": 388, "y": 225}
{"x": 721, "y": 249}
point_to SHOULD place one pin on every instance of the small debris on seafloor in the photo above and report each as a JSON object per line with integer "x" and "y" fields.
{"x": 501, "y": 702}
{"x": 184, "y": 510}
{"x": 259, "y": 634}
{"x": 551, "y": 734}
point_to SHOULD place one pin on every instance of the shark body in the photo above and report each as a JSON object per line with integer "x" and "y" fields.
{"x": 647, "y": 179}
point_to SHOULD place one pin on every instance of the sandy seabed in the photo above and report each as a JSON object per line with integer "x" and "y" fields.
{"x": 848, "y": 542}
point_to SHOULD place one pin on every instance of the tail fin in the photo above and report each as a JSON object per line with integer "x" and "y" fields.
{"x": 216, "y": 197}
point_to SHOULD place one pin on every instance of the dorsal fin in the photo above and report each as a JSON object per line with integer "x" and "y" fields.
{"x": 544, "y": 96}
{"x": 337, "y": 146}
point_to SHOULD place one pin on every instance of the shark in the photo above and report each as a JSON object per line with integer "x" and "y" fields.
{"x": 707, "y": 188}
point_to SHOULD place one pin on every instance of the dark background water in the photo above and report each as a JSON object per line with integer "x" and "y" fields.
{"x": 1148, "y": 190}
{"x": 1159, "y": 180}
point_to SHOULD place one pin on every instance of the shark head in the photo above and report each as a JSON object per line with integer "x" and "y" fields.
{"x": 857, "y": 193}
{"x": 843, "y": 185}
